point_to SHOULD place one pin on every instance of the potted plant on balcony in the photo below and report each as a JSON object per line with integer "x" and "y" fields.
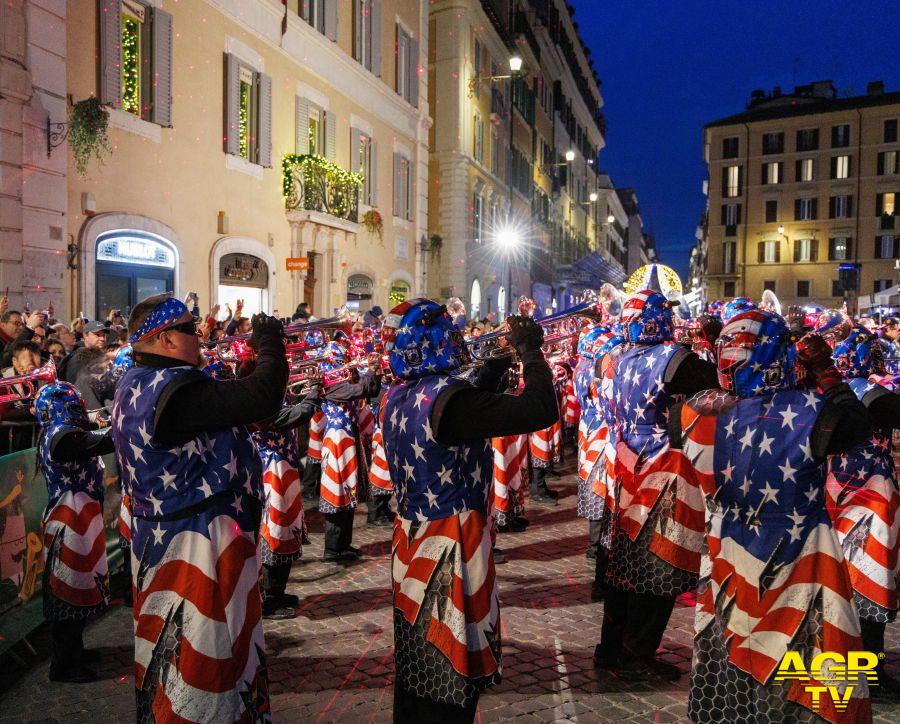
{"x": 88, "y": 124}
{"x": 374, "y": 223}
{"x": 437, "y": 243}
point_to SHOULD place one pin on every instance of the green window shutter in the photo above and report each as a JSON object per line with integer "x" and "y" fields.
{"x": 412, "y": 89}
{"x": 264, "y": 120}
{"x": 301, "y": 134}
{"x": 330, "y": 135}
{"x": 161, "y": 55}
{"x": 355, "y": 160}
{"x": 232, "y": 104}
{"x": 398, "y": 185}
{"x": 111, "y": 52}
{"x": 373, "y": 180}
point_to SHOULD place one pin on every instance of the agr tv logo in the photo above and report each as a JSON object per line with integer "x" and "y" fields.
{"x": 832, "y": 672}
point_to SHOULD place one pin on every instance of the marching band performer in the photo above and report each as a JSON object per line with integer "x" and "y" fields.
{"x": 437, "y": 431}
{"x": 196, "y": 483}
{"x": 863, "y": 499}
{"x": 76, "y": 585}
{"x": 658, "y": 528}
{"x": 773, "y": 576}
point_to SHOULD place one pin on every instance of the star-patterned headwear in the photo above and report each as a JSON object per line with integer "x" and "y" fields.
{"x": 756, "y": 354}
{"x": 591, "y": 339}
{"x": 60, "y": 404}
{"x": 832, "y": 325}
{"x": 422, "y": 340}
{"x": 735, "y": 307}
{"x": 859, "y": 355}
{"x": 648, "y": 318}
{"x": 165, "y": 314}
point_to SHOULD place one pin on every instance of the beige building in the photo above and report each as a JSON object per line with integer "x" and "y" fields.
{"x": 245, "y": 133}
{"x": 514, "y": 152}
{"x": 800, "y": 184}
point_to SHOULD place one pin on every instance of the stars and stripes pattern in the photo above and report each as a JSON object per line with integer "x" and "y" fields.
{"x": 545, "y": 445}
{"x": 571, "y": 407}
{"x": 281, "y": 531}
{"x": 863, "y": 503}
{"x": 75, "y": 568}
{"x": 645, "y": 466}
{"x": 510, "y": 470}
{"x": 316, "y": 435}
{"x": 340, "y": 458}
{"x": 125, "y": 520}
{"x": 379, "y": 474}
{"x": 602, "y": 477}
{"x": 773, "y": 577}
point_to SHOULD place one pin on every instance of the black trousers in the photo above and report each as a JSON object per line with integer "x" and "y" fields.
{"x": 312, "y": 475}
{"x": 338, "y": 530}
{"x": 379, "y": 508}
{"x": 410, "y": 709}
{"x": 595, "y": 529}
{"x": 633, "y": 623}
{"x": 67, "y": 645}
{"x": 274, "y": 580}
{"x": 538, "y": 480}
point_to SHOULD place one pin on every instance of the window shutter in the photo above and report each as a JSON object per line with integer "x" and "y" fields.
{"x": 413, "y": 83}
{"x": 232, "y": 103}
{"x": 849, "y": 207}
{"x": 161, "y": 55}
{"x": 398, "y": 185}
{"x": 814, "y": 250}
{"x": 778, "y": 251}
{"x": 897, "y": 247}
{"x": 760, "y": 252}
{"x": 796, "y": 249}
{"x": 832, "y": 203}
{"x": 849, "y": 166}
{"x": 737, "y": 215}
{"x": 373, "y": 168}
{"x": 724, "y": 181}
{"x": 331, "y": 20}
{"x": 764, "y": 175}
{"x": 330, "y": 135}
{"x": 879, "y": 204}
{"x": 814, "y": 211}
{"x": 357, "y": 29}
{"x": 880, "y": 170}
{"x": 301, "y": 134}
{"x": 724, "y": 214}
{"x": 355, "y": 159}
{"x": 833, "y": 166}
{"x": 375, "y": 23}
{"x": 797, "y": 170}
{"x": 264, "y": 120}
{"x": 878, "y": 247}
{"x": 740, "y": 180}
{"x": 781, "y": 172}
{"x": 796, "y": 209}
{"x": 111, "y": 52}
{"x": 832, "y": 252}
{"x": 410, "y": 189}
{"x": 304, "y": 9}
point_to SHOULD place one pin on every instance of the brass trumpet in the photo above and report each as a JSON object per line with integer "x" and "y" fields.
{"x": 558, "y": 328}
{"x": 25, "y": 387}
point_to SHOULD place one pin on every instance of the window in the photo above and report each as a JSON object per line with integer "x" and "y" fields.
{"x": 880, "y": 285}
{"x": 728, "y": 290}
{"x": 135, "y": 60}
{"x": 885, "y": 208}
{"x": 886, "y": 246}
{"x": 805, "y": 209}
{"x": 364, "y": 160}
{"x": 729, "y": 257}
{"x": 248, "y": 112}
{"x": 840, "y": 207}
{"x": 805, "y": 169}
{"x": 367, "y": 34}
{"x": 769, "y": 285}
{"x": 731, "y": 217}
{"x": 803, "y": 288}
{"x": 836, "y": 289}
{"x": 839, "y": 248}
{"x": 731, "y": 181}
{"x": 477, "y": 218}
{"x": 495, "y": 153}
{"x": 476, "y": 62}
{"x": 807, "y": 140}
{"x": 407, "y": 66}
{"x": 806, "y": 250}
{"x": 315, "y": 136}
{"x": 890, "y": 131}
{"x": 403, "y": 187}
{"x": 769, "y": 252}
{"x": 887, "y": 163}
{"x": 478, "y": 138}
{"x": 773, "y": 143}
{"x": 773, "y": 173}
{"x": 771, "y": 211}
{"x": 730, "y": 147}
{"x": 316, "y": 131}
{"x": 840, "y": 167}
{"x": 322, "y": 15}
{"x": 840, "y": 136}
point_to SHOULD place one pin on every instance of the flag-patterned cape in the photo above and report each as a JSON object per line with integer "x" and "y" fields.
{"x": 773, "y": 577}
{"x": 510, "y": 472}
{"x": 316, "y": 435}
{"x": 281, "y": 531}
{"x": 379, "y": 475}
{"x": 571, "y": 407}
{"x": 646, "y": 468}
{"x": 602, "y": 476}
{"x": 863, "y": 503}
{"x": 76, "y": 582}
{"x": 125, "y": 520}
{"x": 340, "y": 458}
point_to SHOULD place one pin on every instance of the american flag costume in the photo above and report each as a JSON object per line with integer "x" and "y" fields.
{"x": 510, "y": 473}
{"x": 593, "y": 433}
{"x": 341, "y": 461}
{"x": 571, "y": 406}
{"x": 281, "y": 531}
{"x": 446, "y": 607}
{"x": 602, "y": 476}
{"x": 659, "y": 509}
{"x": 773, "y": 577}
{"x": 316, "y": 435}
{"x": 76, "y": 581}
{"x": 379, "y": 474}
{"x": 863, "y": 502}
{"x": 199, "y": 648}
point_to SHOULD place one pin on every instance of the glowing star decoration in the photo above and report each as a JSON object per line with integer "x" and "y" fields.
{"x": 667, "y": 279}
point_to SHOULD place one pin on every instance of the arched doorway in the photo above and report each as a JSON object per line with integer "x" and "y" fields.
{"x": 400, "y": 290}
{"x": 475, "y": 300}
{"x": 131, "y": 265}
{"x": 360, "y": 289}
{"x": 246, "y": 277}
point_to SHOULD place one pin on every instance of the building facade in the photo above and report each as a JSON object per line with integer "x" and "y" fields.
{"x": 514, "y": 159}
{"x": 274, "y": 153}
{"x": 800, "y": 185}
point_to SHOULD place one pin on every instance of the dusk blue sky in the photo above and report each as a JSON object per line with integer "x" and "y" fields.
{"x": 668, "y": 67}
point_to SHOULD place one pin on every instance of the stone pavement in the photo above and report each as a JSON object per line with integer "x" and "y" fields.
{"x": 333, "y": 662}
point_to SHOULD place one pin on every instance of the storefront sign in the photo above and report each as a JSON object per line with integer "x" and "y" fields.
{"x": 135, "y": 250}
{"x": 359, "y": 286}
{"x": 243, "y": 270}
{"x": 297, "y": 263}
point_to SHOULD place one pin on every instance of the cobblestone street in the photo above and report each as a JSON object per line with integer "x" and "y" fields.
{"x": 333, "y": 662}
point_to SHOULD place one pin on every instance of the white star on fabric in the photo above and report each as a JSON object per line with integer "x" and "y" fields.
{"x": 787, "y": 471}
{"x": 231, "y": 467}
{"x": 788, "y": 416}
{"x": 237, "y": 505}
{"x": 445, "y": 475}
{"x": 142, "y": 431}
{"x": 402, "y": 424}
{"x": 131, "y": 471}
{"x": 811, "y": 399}
{"x": 796, "y": 517}
{"x": 168, "y": 479}
{"x": 747, "y": 440}
{"x": 765, "y": 445}
{"x": 432, "y": 497}
{"x": 135, "y": 394}
{"x": 794, "y": 533}
{"x": 421, "y": 517}
{"x": 418, "y": 449}
{"x": 160, "y": 376}
{"x": 420, "y": 398}
{"x": 727, "y": 472}
{"x": 157, "y": 505}
{"x": 745, "y": 486}
{"x": 812, "y": 494}
{"x": 806, "y": 449}
{"x": 205, "y": 489}
{"x": 138, "y": 452}
{"x": 442, "y": 382}
{"x": 158, "y": 534}
{"x": 729, "y": 428}
{"x": 410, "y": 472}
{"x": 769, "y": 493}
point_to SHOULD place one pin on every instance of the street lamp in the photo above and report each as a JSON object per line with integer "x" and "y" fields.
{"x": 610, "y": 219}
{"x": 515, "y": 64}
{"x": 508, "y": 240}
{"x": 592, "y": 197}
{"x": 781, "y": 230}
{"x": 570, "y": 155}
{"x": 515, "y": 69}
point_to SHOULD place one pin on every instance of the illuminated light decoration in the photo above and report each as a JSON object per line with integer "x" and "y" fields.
{"x": 243, "y": 121}
{"x": 316, "y": 184}
{"x": 669, "y": 280}
{"x": 126, "y": 249}
{"x": 131, "y": 65}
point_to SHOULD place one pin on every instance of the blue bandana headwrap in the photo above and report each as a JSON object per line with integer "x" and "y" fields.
{"x": 165, "y": 314}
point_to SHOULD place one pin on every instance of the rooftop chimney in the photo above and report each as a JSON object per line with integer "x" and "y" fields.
{"x": 875, "y": 88}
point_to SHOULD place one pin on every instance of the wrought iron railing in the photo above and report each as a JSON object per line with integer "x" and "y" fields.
{"x": 313, "y": 183}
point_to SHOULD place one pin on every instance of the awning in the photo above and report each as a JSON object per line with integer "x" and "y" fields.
{"x": 595, "y": 271}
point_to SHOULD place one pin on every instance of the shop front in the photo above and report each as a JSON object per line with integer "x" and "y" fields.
{"x": 399, "y": 291}
{"x": 131, "y": 265}
{"x": 244, "y": 277}
{"x": 360, "y": 290}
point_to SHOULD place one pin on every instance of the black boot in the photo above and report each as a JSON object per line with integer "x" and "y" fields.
{"x": 540, "y": 493}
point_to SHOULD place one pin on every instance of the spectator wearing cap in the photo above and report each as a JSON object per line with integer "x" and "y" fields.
{"x": 93, "y": 338}
{"x": 372, "y": 318}
{"x": 65, "y": 335}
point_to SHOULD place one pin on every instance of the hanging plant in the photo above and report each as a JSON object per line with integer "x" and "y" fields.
{"x": 88, "y": 125}
{"x": 437, "y": 243}
{"x": 374, "y": 223}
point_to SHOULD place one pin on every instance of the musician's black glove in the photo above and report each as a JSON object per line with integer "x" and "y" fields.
{"x": 266, "y": 331}
{"x": 525, "y": 335}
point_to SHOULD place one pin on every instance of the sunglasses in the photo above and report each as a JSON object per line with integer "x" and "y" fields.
{"x": 184, "y": 328}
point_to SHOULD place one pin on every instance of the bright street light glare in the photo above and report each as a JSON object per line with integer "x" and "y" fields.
{"x": 515, "y": 63}
{"x": 570, "y": 155}
{"x": 593, "y": 196}
{"x": 507, "y": 239}
{"x": 610, "y": 219}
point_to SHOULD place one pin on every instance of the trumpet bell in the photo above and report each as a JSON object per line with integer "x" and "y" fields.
{"x": 24, "y": 387}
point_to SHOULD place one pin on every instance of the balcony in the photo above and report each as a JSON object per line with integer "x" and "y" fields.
{"x": 313, "y": 183}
